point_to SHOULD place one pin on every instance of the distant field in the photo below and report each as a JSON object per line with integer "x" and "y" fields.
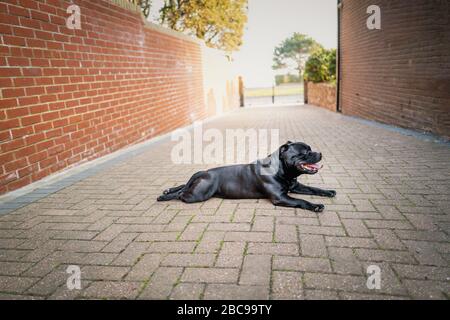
{"x": 285, "y": 90}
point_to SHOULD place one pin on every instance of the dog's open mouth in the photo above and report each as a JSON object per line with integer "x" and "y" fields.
{"x": 311, "y": 167}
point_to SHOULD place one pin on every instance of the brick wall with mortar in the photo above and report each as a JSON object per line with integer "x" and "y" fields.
{"x": 69, "y": 96}
{"x": 400, "y": 74}
{"x": 322, "y": 95}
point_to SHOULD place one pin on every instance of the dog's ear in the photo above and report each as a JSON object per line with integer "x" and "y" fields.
{"x": 284, "y": 147}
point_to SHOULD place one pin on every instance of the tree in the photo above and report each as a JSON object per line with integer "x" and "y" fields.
{"x": 144, "y": 4}
{"x": 220, "y": 23}
{"x": 293, "y": 52}
{"x": 321, "y": 66}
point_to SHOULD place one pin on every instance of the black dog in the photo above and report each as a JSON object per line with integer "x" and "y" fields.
{"x": 271, "y": 178}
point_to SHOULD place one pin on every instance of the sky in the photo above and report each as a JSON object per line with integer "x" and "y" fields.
{"x": 269, "y": 23}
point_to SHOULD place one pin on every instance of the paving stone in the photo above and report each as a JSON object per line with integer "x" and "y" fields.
{"x": 188, "y": 260}
{"x": 335, "y": 282}
{"x": 112, "y": 290}
{"x": 144, "y": 268}
{"x": 385, "y": 255}
{"x": 422, "y": 272}
{"x": 256, "y": 270}
{"x": 286, "y": 233}
{"x": 161, "y": 284}
{"x": 120, "y": 242}
{"x": 231, "y": 255}
{"x": 263, "y": 224}
{"x": 313, "y": 245}
{"x": 129, "y": 256}
{"x": 422, "y": 222}
{"x": 99, "y": 258}
{"x": 47, "y": 285}
{"x": 344, "y": 261}
{"x": 420, "y": 289}
{"x": 230, "y": 227}
{"x": 235, "y": 292}
{"x": 350, "y": 242}
{"x": 129, "y": 246}
{"x": 14, "y": 284}
{"x": 210, "y": 275}
{"x": 281, "y": 249}
{"x": 362, "y": 296}
{"x": 387, "y": 239}
{"x": 386, "y": 224}
{"x": 329, "y": 231}
{"x": 249, "y": 236}
{"x": 421, "y": 235}
{"x": 301, "y": 264}
{"x": 356, "y": 228}
{"x": 158, "y": 236}
{"x": 330, "y": 219}
{"x": 287, "y": 285}
{"x": 187, "y": 291}
{"x": 193, "y": 232}
{"x": 163, "y": 247}
{"x": 313, "y": 294}
{"x": 83, "y": 245}
{"x": 103, "y": 272}
{"x": 426, "y": 253}
{"x": 13, "y": 268}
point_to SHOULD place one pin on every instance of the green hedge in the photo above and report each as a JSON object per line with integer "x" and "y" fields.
{"x": 321, "y": 66}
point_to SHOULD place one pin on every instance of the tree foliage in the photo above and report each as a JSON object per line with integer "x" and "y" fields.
{"x": 293, "y": 52}
{"x": 220, "y": 23}
{"x": 144, "y": 4}
{"x": 321, "y": 66}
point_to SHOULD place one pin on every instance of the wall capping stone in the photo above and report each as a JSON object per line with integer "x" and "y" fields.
{"x": 124, "y": 4}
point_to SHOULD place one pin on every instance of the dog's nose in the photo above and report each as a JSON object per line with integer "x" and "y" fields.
{"x": 320, "y": 155}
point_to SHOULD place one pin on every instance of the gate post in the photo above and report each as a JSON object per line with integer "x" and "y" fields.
{"x": 305, "y": 91}
{"x": 241, "y": 92}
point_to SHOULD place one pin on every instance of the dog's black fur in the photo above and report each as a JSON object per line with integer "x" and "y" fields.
{"x": 251, "y": 182}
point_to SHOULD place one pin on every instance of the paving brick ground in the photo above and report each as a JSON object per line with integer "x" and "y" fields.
{"x": 392, "y": 210}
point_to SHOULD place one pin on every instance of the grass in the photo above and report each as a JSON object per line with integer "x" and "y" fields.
{"x": 285, "y": 90}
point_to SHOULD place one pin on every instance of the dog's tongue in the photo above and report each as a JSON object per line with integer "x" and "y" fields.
{"x": 313, "y": 166}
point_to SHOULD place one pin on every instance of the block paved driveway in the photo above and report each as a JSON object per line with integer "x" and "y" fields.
{"x": 392, "y": 210}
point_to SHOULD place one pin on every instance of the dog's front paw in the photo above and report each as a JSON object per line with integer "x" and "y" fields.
{"x": 331, "y": 193}
{"x": 318, "y": 208}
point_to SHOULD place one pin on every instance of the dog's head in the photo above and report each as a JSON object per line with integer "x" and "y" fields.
{"x": 298, "y": 158}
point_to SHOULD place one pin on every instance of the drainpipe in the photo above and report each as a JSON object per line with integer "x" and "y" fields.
{"x": 338, "y": 76}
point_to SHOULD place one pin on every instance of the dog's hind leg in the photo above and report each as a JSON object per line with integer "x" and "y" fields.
{"x": 176, "y": 192}
{"x": 172, "y": 190}
{"x": 200, "y": 189}
{"x": 169, "y": 196}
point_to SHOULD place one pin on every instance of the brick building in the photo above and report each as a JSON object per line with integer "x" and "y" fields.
{"x": 399, "y": 74}
{"x": 72, "y": 95}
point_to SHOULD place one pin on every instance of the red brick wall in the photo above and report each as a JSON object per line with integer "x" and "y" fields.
{"x": 322, "y": 95}
{"x": 69, "y": 96}
{"x": 400, "y": 74}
